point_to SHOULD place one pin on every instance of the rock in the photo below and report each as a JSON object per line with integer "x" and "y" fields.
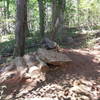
{"x": 34, "y": 72}
{"x": 70, "y": 40}
{"x": 9, "y": 74}
{"x": 12, "y": 77}
{"x": 33, "y": 68}
{"x": 14, "y": 71}
{"x": 9, "y": 97}
{"x": 97, "y": 47}
{"x": 48, "y": 44}
{"x": 84, "y": 98}
{"x": 67, "y": 39}
{"x": 53, "y": 57}
{"x": 30, "y": 60}
{"x": 87, "y": 83}
{"x": 97, "y": 40}
{"x": 8, "y": 67}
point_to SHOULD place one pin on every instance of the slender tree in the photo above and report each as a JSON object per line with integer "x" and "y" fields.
{"x": 26, "y": 24}
{"x": 20, "y": 27}
{"x": 5, "y": 15}
{"x": 57, "y": 16}
{"x": 41, "y": 4}
{"x": 78, "y": 15}
{"x": 8, "y": 13}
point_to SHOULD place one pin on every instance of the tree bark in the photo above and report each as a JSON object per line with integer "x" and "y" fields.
{"x": 8, "y": 13}
{"x": 26, "y": 24}
{"x": 57, "y": 16}
{"x": 20, "y": 27}
{"x": 41, "y": 5}
{"x": 78, "y": 15}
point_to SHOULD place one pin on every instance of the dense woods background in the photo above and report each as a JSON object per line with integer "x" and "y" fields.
{"x": 36, "y": 19}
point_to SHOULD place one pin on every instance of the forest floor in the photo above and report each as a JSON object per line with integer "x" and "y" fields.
{"x": 79, "y": 80}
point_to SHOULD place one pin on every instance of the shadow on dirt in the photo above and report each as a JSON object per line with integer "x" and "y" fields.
{"x": 83, "y": 66}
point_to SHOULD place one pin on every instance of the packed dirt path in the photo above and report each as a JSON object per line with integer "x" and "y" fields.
{"x": 60, "y": 83}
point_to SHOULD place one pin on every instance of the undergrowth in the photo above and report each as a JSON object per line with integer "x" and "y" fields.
{"x": 7, "y": 42}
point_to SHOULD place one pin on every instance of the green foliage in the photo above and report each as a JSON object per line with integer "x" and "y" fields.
{"x": 70, "y": 10}
{"x": 7, "y": 43}
{"x": 7, "y": 47}
{"x": 78, "y": 13}
{"x": 82, "y": 12}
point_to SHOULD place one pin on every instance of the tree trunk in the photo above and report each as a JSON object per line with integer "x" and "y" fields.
{"x": 8, "y": 13}
{"x": 20, "y": 27}
{"x": 4, "y": 26}
{"x": 54, "y": 18}
{"x": 42, "y": 17}
{"x": 78, "y": 15}
{"x": 57, "y": 16}
{"x": 26, "y": 24}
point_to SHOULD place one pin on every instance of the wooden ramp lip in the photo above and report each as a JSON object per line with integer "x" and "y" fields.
{"x": 50, "y": 55}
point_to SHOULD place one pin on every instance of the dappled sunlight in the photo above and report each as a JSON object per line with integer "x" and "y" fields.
{"x": 6, "y": 38}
